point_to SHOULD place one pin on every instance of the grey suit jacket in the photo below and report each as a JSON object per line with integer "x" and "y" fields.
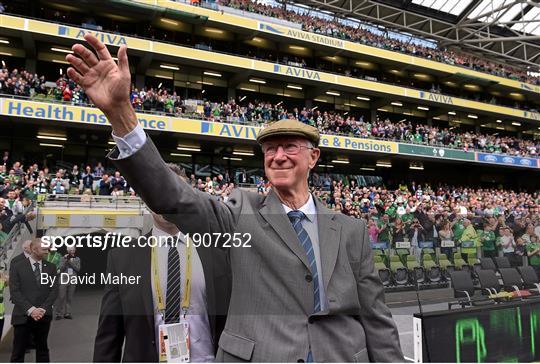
{"x": 270, "y": 315}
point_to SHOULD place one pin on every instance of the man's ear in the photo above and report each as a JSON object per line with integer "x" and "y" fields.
{"x": 315, "y": 154}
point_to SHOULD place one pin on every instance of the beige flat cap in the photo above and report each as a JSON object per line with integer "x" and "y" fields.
{"x": 290, "y": 127}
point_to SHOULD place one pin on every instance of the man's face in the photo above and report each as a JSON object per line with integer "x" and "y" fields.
{"x": 11, "y": 195}
{"x": 2, "y": 203}
{"x": 287, "y": 160}
{"x": 39, "y": 251}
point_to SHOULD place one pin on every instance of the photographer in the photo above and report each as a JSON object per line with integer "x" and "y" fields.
{"x": 70, "y": 265}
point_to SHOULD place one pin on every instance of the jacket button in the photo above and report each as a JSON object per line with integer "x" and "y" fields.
{"x": 309, "y": 278}
{"x": 153, "y": 342}
{"x": 300, "y": 361}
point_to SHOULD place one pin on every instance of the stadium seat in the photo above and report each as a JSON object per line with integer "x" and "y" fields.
{"x": 463, "y": 286}
{"x": 530, "y": 279}
{"x": 446, "y": 265}
{"x": 487, "y": 263}
{"x": 489, "y": 281}
{"x": 502, "y": 262}
{"x": 383, "y": 271}
{"x": 432, "y": 270}
{"x": 403, "y": 253}
{"x": 400, "y": 273}
{"x": 472, "y": 259}
{"x": 461, "y": 264}
{"x": 416, "y": 270}
{"x": 511, "y": 279}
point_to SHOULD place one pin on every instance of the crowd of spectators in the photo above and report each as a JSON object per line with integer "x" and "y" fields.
{"x": 23, "y": 83}
{"x": 312, "y": 23}
{"x": 497, "y": 220}
{"x": 344, "y": 123}
{"x": 500, "y": 221}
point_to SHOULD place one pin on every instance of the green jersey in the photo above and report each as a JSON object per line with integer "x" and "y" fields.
{"x": 533, "y": 259}
{"x": 488, "y": 240}
{"x": 458, "y": 230}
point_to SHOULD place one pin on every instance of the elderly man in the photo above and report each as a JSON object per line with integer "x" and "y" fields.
{"x": 304, "y": 287}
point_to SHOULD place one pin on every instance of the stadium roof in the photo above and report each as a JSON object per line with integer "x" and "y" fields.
{"x": 506, "y": 30}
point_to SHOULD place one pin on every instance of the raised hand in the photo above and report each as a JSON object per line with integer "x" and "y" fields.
{"x": 106, "y": 83}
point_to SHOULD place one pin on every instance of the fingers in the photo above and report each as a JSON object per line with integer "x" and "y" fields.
{"x": 74, "y": 75}
{"x": 78, "y": 64}
{"x": 101, "y": 50}
{"x": 123, "y": 63}
{"x": 86, "y": 55}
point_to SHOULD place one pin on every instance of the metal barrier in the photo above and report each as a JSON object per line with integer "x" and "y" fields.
{"x": 91, "y": 201}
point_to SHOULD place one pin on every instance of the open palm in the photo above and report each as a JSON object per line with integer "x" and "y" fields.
{"x": 106, "y": 83}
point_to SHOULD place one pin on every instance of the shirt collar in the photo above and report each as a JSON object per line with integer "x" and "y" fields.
{"x": 308, "y": 208}
{"x": 33, "y": 261}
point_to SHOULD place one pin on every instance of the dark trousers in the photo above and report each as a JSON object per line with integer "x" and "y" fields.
{"x": 39, "y": 330}
{"x": 490, "y": 253}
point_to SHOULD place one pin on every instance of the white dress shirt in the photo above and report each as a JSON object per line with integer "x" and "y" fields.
{"x": 32, "y": 262}
{"x": 201, "y": 346}
{"x": 312, "y": 228}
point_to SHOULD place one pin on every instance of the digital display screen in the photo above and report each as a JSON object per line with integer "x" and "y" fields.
{"x": 497, "y": 333}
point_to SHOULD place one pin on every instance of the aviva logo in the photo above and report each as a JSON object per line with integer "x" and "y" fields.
{"x": 229, "y": 130}
{"x": 269, "y": 28}
{"x": 297, "y": 72}
{"x": 112, "y": 39}
{"x": 437, "y": 97}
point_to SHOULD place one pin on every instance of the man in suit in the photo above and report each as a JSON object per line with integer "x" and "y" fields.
{"x": 33, "y": 302}
{"x": 305, "y": 289}
{"x": 129, "y": 312}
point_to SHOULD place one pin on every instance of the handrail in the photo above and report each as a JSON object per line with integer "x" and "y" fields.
{"x": 13, "y": 233}
{"x": 270, "y": 61}
{"x": 256, "y": 124}
{"x": 91, "y": 201}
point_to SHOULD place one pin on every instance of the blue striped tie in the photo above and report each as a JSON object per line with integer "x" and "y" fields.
{"x": 296, "y": 217}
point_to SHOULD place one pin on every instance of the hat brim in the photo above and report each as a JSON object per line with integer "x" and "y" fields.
{"x": 279, "y": 133}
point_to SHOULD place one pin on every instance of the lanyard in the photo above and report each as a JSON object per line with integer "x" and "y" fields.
{"x": 187, "y": 291}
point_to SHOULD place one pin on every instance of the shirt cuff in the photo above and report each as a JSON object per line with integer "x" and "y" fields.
{"x": 30, "y": 310}
{"x": 130, "y": 143}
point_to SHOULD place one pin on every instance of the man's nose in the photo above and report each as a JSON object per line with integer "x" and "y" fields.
{"x": 280, "y": 154}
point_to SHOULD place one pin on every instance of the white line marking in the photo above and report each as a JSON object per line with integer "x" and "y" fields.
{"x": 407, "y": 358}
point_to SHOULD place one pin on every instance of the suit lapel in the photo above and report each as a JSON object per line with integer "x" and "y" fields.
{"x": 273, "y": 213}
{"x": 329, "y": 233}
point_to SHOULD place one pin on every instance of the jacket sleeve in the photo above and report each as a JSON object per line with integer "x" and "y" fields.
{"x": 110, "y": 332}
{"x": 381, "y": 333}
{"x": 168, "y": 195}
{"x": 15, "y": 292}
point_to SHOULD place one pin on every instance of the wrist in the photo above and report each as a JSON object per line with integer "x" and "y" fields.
{"x": 122, "y": 119}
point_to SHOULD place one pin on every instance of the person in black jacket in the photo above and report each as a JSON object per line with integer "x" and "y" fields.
{"x": 33, "y": 300}
{"x": 8, "y": 219}
{"x": 128, "y": 320}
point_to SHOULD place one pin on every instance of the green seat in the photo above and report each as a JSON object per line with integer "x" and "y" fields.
{"x": 472, "y": 259}
{"x": 458, "y": 261}
{"x": 428, "y": 251}
{"x": 444, "y": 263}
{"x": 412, "y": 262}
{"x": 403, "y": 253}
{"x": 428, "y": 262}
{"x": 395, "y": 263}
{"x": 379, "y": 263}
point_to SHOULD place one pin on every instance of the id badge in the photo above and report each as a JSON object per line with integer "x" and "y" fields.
{"x": 174, "y": 339}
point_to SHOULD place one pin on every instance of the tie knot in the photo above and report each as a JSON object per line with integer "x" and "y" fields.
{"x": 295, "y": 215}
